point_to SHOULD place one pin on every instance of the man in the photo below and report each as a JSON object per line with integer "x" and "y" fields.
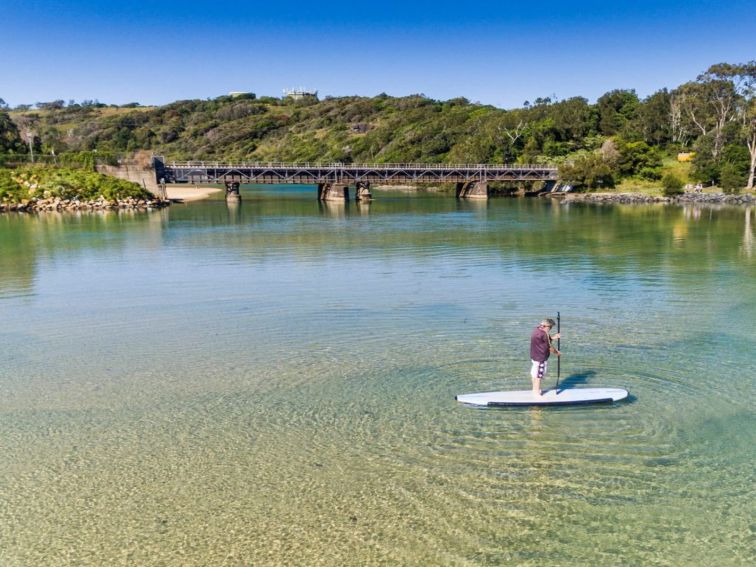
{"x": 540, "y": 350}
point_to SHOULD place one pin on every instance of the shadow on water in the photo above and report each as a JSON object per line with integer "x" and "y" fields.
{"x": 556, "y": 407}
{"x": 576, "y": 379}
{"x": 582, "y": 378}
{"x": 631, "y": 399}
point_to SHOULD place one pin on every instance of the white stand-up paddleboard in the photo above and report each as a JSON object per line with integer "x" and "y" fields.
{"x": 562, "y": 397}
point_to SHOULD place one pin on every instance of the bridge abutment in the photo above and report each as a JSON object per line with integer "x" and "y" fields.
{"x": 472, "y": 190}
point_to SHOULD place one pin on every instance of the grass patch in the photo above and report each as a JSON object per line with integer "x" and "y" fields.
{"x": 641, "y": 186}
{"x": 44, "y": 182}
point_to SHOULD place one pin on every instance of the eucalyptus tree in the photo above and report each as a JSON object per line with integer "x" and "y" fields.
{"x": 511, "y": 129}
{"x": 682, "y": 123}
{"x": 743, "y": 79}
{"x": 749, "y": 131}
{"x": 721, "y": 98}
{"x": 724, "y": 88}
{"x": 691, "y": 100}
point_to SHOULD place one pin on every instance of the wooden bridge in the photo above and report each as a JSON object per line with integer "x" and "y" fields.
{"x": 334, "y": 179}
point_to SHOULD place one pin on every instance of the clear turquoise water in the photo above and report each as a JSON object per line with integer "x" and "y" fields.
{"x": 274, "y": 384}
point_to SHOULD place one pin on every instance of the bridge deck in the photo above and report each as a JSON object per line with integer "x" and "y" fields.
{"x": 314, "y": 173}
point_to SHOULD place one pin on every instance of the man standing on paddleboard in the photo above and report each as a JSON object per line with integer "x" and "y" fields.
{"x": 541, "y": 348}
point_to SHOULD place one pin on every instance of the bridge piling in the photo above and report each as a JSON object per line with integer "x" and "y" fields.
{"x": 333, "y": 192}
{"x": 232, "y": 191}
{"x": 362, "y": 192}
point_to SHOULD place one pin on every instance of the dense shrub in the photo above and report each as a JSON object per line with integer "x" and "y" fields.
{"x": 730, "y": 179}
{"x": 587, "y": 171}
{"x": 638, "y": 158}
{"x": 10, "y": 140}
{"x": 672, "y": 184}
{"x": 45, "y": 182}
{"x": 10, "y": 190}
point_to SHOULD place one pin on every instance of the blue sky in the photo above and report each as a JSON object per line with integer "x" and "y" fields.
{"x": 499, "y": 53}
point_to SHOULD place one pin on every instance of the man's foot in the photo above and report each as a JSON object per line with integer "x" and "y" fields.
{"x": 537, "y": 393}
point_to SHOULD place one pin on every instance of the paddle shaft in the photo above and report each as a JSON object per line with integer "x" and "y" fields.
{"x": 559, "y": 339}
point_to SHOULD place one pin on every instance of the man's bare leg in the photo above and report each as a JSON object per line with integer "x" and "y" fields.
{"x": 536, "y": 387}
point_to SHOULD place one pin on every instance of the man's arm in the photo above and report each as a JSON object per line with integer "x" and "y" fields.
{"x": 552, "y": 348}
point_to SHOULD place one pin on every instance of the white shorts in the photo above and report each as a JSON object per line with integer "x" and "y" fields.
{"x": 538, "y": 369}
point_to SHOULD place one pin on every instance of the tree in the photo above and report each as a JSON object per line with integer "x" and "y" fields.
{"x": 53, "y": 105}
{"x": 749, "y": 133}
{"x": 637, "y": 158}
{"x": 730, "y": 181}
{"x": 720, "y": 96}
{"x": 705, "y": 168}
{"x": 677, "y": 126}
{"x": 736, "y": 155}
{"x": 574, "y": 119}
{"x": 615, "y": 109}
{"x": 689, "y": 100}
{"x": 672, "y": 184}
{"x": 654, "y": 119}
{"x": 515, "y": 132}
{"x": 743, "y": 78}
{"x": 587, "y": 171}
{"x": 27, "y": 128}
{"x": 507, "y": 131}
{"x": 10, "y": 140}
{"x": 723, "y": 95}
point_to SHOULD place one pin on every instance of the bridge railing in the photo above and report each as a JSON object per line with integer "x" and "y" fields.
{"x": 350, "y": 166}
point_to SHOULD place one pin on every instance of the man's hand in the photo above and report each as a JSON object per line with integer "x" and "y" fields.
{"x": 556, "y": 336}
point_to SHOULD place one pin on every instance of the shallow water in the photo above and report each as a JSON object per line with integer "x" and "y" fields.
{"x": 274, "y": 384}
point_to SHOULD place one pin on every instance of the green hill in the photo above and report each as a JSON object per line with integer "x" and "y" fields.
{"x": 618, "y": 137}
{"x": 382, "y": 129}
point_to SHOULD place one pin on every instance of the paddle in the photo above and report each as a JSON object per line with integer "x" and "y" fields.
{"x": 559, "y": 358}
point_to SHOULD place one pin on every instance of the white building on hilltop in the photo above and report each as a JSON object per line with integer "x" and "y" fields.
{"x": 300, "y": 93}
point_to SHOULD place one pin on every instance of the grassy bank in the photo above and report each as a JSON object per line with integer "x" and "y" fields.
{"x": 43, "y": 182}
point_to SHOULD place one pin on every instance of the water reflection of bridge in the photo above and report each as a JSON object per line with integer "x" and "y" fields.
{"x": 335, "y": 179}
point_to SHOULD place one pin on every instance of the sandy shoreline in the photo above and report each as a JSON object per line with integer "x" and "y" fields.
{"x": 190, "y": 193}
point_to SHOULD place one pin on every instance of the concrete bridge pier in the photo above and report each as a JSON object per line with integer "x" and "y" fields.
{"x": 232, "y": 191}
{"x": 472, "y": 190}
{"x": 333, "y": 192}
{"x": 363, "y": 192}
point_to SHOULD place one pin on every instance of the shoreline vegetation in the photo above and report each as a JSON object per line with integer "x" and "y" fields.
{"x": 46, "y": 188}
{"x": 700, "y": 134}
{"x": 42, "y": 188}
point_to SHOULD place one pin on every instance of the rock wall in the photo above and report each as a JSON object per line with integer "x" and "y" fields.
{"x": 703, "y": 198}
{"x": 100, "y": 204}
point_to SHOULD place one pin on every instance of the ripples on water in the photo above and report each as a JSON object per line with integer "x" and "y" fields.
{"x": 274, "y": 384}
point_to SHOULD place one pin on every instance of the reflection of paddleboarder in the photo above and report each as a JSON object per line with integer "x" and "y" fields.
{"x": 540, "y": 350}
